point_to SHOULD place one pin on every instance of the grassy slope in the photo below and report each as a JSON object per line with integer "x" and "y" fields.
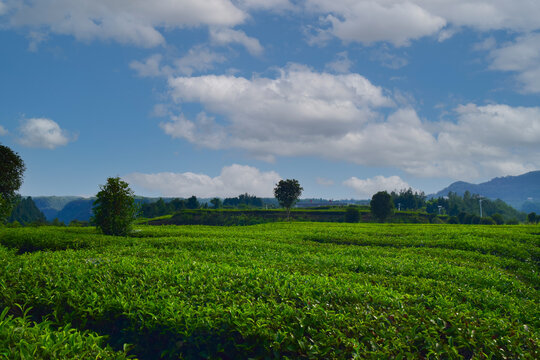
{"x": 307, "y": 290}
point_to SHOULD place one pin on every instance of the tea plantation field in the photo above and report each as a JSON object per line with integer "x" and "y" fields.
{"x": 299, "y": 290}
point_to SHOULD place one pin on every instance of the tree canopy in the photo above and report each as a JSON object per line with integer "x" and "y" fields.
{"x": 287, "y": 193}
{"x": 115, "y": 208}
{"x": 11, "y": 177}
{"x": 381, "y": 205}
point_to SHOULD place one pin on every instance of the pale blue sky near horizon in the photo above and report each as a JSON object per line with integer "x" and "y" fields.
{"x": 223, "y": 97}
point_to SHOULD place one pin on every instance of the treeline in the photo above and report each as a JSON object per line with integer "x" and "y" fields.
{"x": 473, "y": 205}
{"x": 26, "y": 213}
{"x": 454, "y": 205}
{"x": 162, "y": 207}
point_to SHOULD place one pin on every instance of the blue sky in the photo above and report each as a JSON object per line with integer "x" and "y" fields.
{"x": 221, "y": 97}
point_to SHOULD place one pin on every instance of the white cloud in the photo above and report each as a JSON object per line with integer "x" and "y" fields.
{"x": 340, "y": 117}
{"x": 400, "y": 21}
{"x": 204, "y": 131}
{"x": 225, "y": 36}
{"x": 43, "y": 133}
{"x": 197, "y": 59}
{"x": 523, "y": 57}
{"x": 275, "y": 5}
{"x": 3, "y": 131}
{"x": 233, "y": 180}
{"x": 151, "y": 67}
{"x": 367, "y": 22}
{"x": 341, "y": 64}
{"x": 365, "y": 188}
{"x": 136, "y": 22}
{"x": 36, "y": 38}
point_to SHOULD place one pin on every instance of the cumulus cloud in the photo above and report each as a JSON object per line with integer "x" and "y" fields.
{"x": 150, "y": 67}
{"x": 341, "y": 64}
{"x": 232, "y": 181}
{"x": 225, "y": 36}
{"x": 198, "y": 59}
{"x": 521, "y": 56}
{"x": 299, "y": 98}
{"x": 204, "y": 131}
{"x": 43, "y": 133}
{"x": 400, "y": 21}
{"x": 3, "y": 131}
{"x": 136, "y": 22}
{"x": 365, "y": 188}
{"x": 367, "y": 22}
{"x": 274, "y": 5}
{"x": 342, "y": 117}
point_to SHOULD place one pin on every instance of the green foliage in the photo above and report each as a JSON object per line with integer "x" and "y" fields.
{"x": 487, "y": 221}
{"x": 453, "y": 220}
{"x": 160, "y": 207}
{"x": 22, "y": 338}
{"x": 381, "y": 205}
{"x": 454, "y": 204}
{"x": 407, "y": 199}
{"x": 114, "y": 208}
{"x": 532, "y": 218}
{"x": 243, "y": 201}
{"x": 287, "y": 193}
{"x": 336, "y": 291}
{"x": 192, "y": 203}
{"x": 26, "y": 212}
{"x": 499, "y": 220}
{"x": 216, "y": 203}
{"x": 352, "y": 214}
{"x": 11, "y": 177}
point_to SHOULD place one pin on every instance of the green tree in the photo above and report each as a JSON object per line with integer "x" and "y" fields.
{"x": 115, "y": 208}
{"x": 453, "y": 220}
{"x": 287, "y": 193}
{"x": 381, "y": 205}
{"x": 487, "y": 221}
{"x": 26, "y": 212}
{"x": 531, "y": 218}
{"x": 499, "y": 220}
{"x": 352, "y": 214}
{"x": 11, "y": 178}
{"x": 216, "y": 203}
{"x": 193, "y": 203}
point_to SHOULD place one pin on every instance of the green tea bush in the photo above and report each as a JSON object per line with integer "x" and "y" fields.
{"x": 303, "y": 290}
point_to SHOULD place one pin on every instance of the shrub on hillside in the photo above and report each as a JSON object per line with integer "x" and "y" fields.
{"x": 352, "y": 214}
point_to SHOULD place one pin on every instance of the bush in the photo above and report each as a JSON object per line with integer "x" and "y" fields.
{"x": 436, "y": 220}
{"x": 114, "y": 208}
{"x": 487, "y": 221}
{"x": 498, "y": 219}
{"x": 352, "y": 214}
{"x": 453, "y": 220}
{"x": 381, "y": 205}
{"x": 512, "y": 222}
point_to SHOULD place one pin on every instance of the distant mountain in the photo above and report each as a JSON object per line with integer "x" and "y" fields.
{"x": 51, "y": 205}
{"x": 79, "y": 209}
{"x": 522, "y": 191}
{"x": 26, "y": 212}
